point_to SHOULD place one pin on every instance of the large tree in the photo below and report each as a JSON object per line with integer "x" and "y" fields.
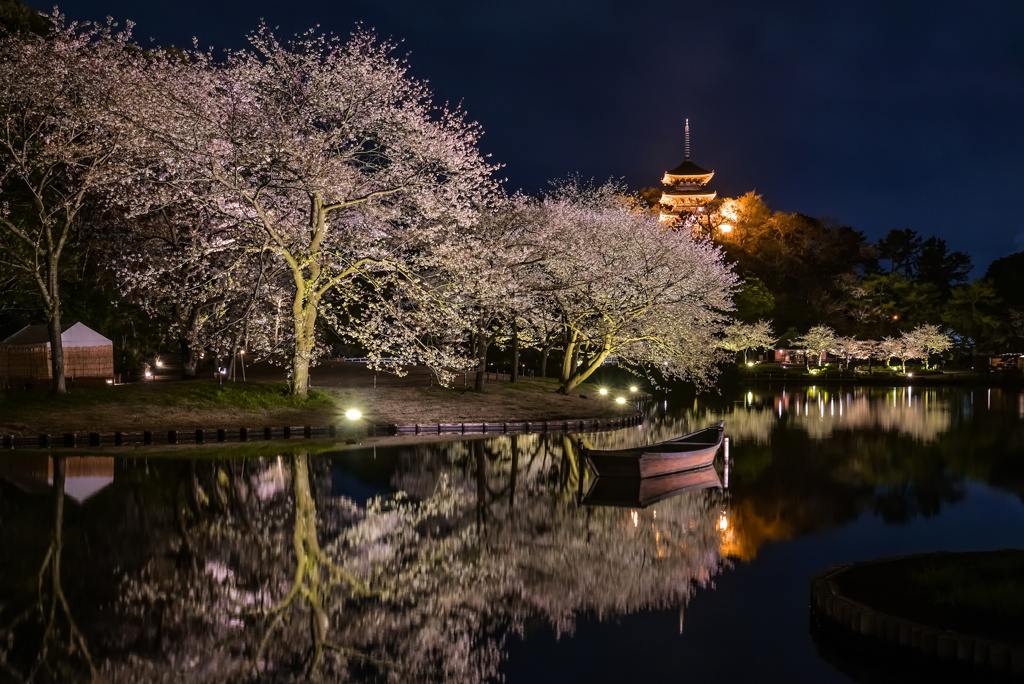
{"x": 57, "y": 151}
{"x": 321, "y": 151}
{"x": 621, "y": 285}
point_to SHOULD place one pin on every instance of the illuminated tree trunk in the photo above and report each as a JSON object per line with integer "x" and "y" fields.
{"x": 570, "y": 356}
{"x": 584, "y": 372}
{"x": 580, "y": 374}
{"x": 304, "y": 314}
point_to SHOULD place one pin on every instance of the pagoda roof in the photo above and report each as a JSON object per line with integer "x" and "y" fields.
{"x": 697, "y": 193}
{"x": 688, "y": 168}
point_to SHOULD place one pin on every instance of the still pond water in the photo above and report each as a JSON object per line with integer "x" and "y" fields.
{"x": 474, "y": 560}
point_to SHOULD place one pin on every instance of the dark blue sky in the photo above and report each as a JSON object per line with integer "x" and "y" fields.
{"x": 880, "y": 114}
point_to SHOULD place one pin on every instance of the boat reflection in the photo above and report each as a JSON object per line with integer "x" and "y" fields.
{"x": 642, "y": 492}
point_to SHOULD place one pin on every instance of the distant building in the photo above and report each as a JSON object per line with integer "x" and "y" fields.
{"x": 686, "y": 194}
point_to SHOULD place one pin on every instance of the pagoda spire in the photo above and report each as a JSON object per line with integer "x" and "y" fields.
{"x": 686, "y": 130}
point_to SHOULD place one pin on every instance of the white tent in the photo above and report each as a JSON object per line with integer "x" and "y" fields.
{"x": 25, "y": 355}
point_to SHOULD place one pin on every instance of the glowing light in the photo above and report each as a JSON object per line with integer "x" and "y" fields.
{"x": 633, "y": 388}
{"x": 149, "y": 374}
{"x": 620, "y": 400}
{"x": 725, "y": 228}
{"x": 723, "y": 522}
{"x": 353, "y": 414}
{"x": 110, "y": 382}
{"x": 602, "y": 391}
{"x": 159, "y": 364}
{"x": 910, "y": 375}
{"x": 633, "y": 513}
{"x": 750, "y": 363}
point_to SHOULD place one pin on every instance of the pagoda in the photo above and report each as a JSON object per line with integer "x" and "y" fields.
{"x": 686, "y": 194}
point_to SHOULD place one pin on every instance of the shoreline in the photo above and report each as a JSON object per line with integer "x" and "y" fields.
{"x": 206, "y": 411}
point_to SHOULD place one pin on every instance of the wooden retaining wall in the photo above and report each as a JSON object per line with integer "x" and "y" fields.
{"x": 861, "y": 621}
{"x": 71, "y": 440}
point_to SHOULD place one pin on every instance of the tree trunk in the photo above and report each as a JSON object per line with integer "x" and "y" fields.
{"x": 584, "y": 372}
{"x": 568, "y": 359}
{"x": 189, "y": 359}
{"x": 514, "y": 376}
{"x": 305, "y": 338}
{"x": 58, "y": 384}
{"x": 482, "y": 343}
{"x": 544, "y": 360}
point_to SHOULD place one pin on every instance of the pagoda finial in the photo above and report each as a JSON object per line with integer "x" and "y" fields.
{"x": 687, "y": 131}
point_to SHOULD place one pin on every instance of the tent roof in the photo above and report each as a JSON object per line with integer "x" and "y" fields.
{"x": 77, "y": 335}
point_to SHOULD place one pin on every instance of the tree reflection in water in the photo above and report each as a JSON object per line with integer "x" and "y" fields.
{"x": 40, "y": 640}
{"x": 421, "y": 586}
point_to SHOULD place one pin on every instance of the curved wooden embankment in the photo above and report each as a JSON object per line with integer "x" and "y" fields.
{"x": 861, "y": 621}
{"x": 71, "y": 440}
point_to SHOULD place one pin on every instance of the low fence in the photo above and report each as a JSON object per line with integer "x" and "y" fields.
{"x": 71, "y": 440}
{"x": 521, "y": 427}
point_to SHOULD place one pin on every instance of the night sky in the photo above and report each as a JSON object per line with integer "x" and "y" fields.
{"x": 877, "y": 114}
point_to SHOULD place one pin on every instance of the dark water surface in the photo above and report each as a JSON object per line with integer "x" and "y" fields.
{"x": 474, "y": 560}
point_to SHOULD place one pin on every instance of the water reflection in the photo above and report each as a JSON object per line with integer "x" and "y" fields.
{"x": 253, "y": 570}
{"x": 39, "y": 635}
{"x": 924, "y": 414}
{"x": 276, "y": 568}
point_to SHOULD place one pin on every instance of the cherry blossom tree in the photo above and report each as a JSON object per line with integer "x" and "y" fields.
{"x": 57, "y": 152}
{"x": 925, "y": 340}
{"x": 620, "y": 285}
{"x": 818, "y": 339}
{"x": 324, "y": 152}
{"x": 850, "y": 348}
{"x": 894, "y": 347}
{"x": 739, "y": 337}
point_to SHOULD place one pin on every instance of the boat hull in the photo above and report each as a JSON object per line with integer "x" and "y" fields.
{"x": 689, "y": 452}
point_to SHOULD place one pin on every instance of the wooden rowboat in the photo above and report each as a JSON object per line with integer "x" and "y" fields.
{"x": 641, "y": 493}
{"x": 689, "y": 452}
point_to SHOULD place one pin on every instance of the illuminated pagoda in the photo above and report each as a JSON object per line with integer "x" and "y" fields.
{"x": 686, "y": 194}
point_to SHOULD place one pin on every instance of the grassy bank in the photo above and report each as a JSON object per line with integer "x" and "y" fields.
{"x": 206, "y": 404}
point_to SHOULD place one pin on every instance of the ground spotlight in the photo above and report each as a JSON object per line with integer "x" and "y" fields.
{"x": 353, "y": 414}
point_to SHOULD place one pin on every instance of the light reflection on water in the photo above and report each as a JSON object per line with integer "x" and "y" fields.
{"x": 273, "y": 566}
